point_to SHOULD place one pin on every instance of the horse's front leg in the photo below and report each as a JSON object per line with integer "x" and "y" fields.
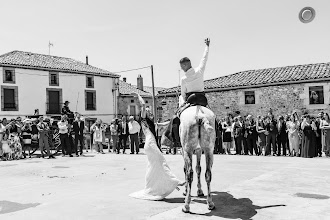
{"x": 208, "y": 177}
{"x": 189, "y": 178}
{"x": 198, "y": 171}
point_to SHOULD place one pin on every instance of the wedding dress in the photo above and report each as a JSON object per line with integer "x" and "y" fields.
{"x": 159, "y": 180}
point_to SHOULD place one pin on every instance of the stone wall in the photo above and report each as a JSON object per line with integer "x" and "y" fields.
{"x": 282, "y": 99}
{"x": 124, "y": 103}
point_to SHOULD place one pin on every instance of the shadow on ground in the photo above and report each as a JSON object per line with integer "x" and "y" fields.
{"x": 227, "y": 206}
{"x": 8, "y": 207}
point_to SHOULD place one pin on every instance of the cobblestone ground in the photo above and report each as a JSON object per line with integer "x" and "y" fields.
{"x": 97, "y": 187}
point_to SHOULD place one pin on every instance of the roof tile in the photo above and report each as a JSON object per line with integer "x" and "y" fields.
{"x": 41, "y": 61}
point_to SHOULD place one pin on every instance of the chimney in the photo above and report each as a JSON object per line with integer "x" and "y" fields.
{"x": 139, "y": 82}
{"x": 124, "y": 79}
{"x": 87, "y": 60}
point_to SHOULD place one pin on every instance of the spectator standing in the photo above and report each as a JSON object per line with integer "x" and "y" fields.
{"x": 262, "y": 135}
{"x": 114, "y": 131}
{"x": 252, "y": 135}
{"x": 124, "y": 133}
{"x": 325, "y": 126}
{"x": 27, "y": 136}
{"x": 227, "y": 135}
{"x": 97, "y": 135}
{"x": 238, "y": 129}
{"x": 78, "y": 129}
{"x": 134, "y": 129}
{"x": 293, "y": 134}
{"x": 43, "y": 137}
{"x": 63, "y": 127}
{"x": 282, "y": 136}
{"x": 272, "y": 133}
{"x": 218, "y": 149}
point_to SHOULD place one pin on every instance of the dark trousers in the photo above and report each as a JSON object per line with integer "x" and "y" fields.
{"x": 122, "y": 143}
{"x": 271, "y": 140}
{"x": 79, "y": 138}
{"x": 134, "y": 141}
{"x": 245, "y": 146}
{"x": 281, "y": 143}
{"x": 218, "y": 146}
{"x": 65, "y": 143}
{"x": 252, "y": 144}
{"x": 238, "y": 144}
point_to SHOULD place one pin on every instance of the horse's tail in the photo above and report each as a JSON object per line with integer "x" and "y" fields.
{"x": 202, "y": 121}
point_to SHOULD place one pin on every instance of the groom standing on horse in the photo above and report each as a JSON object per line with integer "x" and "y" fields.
{"x": 192, "y": 91}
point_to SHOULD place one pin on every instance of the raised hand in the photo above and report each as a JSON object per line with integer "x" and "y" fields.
{"x": 207, "y": 41}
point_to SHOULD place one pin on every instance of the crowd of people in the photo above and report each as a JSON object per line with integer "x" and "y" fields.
{"x": 287, "y": 135}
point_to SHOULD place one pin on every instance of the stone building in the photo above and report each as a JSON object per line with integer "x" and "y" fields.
{"x": 302, "y": 88}
{"x": 128, "y": 104}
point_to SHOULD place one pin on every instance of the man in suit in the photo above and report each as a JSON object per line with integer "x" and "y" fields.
{"x": 123, "y": 134}
{"x": 78, "y": 128}
{"x": 239, "y": 131}
{"x": 272, "y": 133}
{"x": 252, "y": 135}
{"x": 282, "y": 136}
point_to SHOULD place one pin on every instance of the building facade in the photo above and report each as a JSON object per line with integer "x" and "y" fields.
{"x": 32, "y": 81}
{"x": 128, "y": 104}
{"x": 302, "y": 88}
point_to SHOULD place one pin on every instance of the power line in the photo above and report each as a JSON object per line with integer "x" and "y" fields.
{"x": 132, "y": 69}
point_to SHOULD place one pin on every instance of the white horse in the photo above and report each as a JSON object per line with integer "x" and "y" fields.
{"x": 197, "y": 134}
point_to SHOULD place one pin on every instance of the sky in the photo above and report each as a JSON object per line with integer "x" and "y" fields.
{"x": 123, "y": 35}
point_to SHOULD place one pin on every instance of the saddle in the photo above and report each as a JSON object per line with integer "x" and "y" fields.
{"x": 193, "y": 99}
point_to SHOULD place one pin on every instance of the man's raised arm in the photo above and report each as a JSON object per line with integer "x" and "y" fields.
{"x": 202, "y": 64}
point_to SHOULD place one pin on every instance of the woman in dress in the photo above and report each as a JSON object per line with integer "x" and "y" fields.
{"x": 227, "y": 135}
{"x": 309, "y": 142}
{"x": 325, "y": 127}
{"x": 159, "y": 180}
{"x": 261, "y": 129}
{"x": 292, "y": 127}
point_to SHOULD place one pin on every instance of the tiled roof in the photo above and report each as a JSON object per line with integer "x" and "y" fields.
{"x": 41, "y": 61}
{"x": 127, "y": 89}
{"x": 148, "y": 89}
{"x": 265, "y": 77}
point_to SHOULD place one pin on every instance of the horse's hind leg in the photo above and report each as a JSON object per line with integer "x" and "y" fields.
{"x": 189, "y": 178}
{"x": 198, "y": 171}
{"x": 208, "y": 177}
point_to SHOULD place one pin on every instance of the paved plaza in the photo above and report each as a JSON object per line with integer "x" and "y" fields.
{"x": 97, "y": 186}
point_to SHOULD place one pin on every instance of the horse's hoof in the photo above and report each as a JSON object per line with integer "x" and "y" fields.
{"x": 200, "y": 193}
{"x": 211, "y": 206}
{"x": 186, "y": 210}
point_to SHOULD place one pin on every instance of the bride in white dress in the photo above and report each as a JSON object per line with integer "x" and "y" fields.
{"x": 159, "y": 179}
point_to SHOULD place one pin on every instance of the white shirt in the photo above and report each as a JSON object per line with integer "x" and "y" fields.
{"x": 193, "y": 80}
{"x": 63, "y": 127}
{"x": 133, "y": 127}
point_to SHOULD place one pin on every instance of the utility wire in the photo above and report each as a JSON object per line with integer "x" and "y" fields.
{"x": 132, "y": 69}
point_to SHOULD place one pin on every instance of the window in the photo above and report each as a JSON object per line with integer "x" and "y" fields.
{"x": 132, "y": 110}
{"x": 90, "y": 81}
{"x": 9, "y": 98}
{"x": 250, "y": 98}
{"x": 90, "y": 99}
{"x": 132, "y": 100}
{"x": 8, "y": 75}
{"x": 316, "y": 95}
{"x": 53, "y": 79}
